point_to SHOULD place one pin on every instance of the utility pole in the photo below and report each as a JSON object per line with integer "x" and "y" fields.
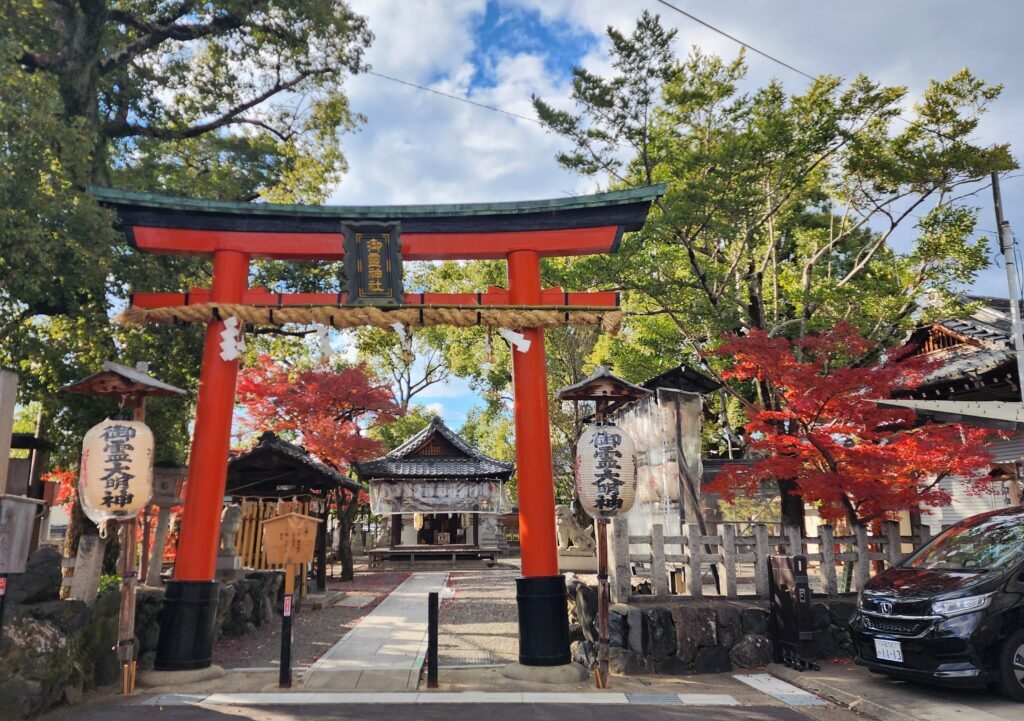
{"x": 1006, "y": 245}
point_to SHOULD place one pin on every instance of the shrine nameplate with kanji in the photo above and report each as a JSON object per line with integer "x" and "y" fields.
{"x": 373, "y": 263}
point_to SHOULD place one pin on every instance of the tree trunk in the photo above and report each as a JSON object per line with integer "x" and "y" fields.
{"x": 346, "y": 518}
{"x": 792, "y": 505}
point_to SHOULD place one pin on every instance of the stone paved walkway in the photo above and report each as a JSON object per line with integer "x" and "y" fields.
{"x": 385, "y": 651}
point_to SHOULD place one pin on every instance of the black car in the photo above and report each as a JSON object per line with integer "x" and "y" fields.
{"x": 952, "y": 612}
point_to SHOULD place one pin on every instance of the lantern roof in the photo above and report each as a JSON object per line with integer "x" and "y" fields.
{"x": 121, "y": 380}
{"x": 603, "y": 385}
{"x": 683, "y": 378}
{"x": 436, "y": 452}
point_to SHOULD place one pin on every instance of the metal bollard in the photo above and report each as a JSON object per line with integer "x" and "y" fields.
{"x": 432, "y": 640}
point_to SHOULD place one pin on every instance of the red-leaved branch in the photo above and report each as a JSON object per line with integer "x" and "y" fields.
{"x": 825, "y": 440}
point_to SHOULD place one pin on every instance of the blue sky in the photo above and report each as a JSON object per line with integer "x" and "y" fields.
{"x": 420, "y": 148}
{"x": 505, "y": 28}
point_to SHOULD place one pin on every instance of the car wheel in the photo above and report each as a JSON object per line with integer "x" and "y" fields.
{"x": 1011, "y": 666}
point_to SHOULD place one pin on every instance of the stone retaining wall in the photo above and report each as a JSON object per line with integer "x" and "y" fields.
{"x": 688, "y": 636}
{"x": 52, "y": 651}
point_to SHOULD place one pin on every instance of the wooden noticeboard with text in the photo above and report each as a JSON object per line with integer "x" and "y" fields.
{"x": 289, "y": 538}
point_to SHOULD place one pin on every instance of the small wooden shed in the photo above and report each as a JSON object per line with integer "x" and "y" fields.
{"x": 275, "y": 477}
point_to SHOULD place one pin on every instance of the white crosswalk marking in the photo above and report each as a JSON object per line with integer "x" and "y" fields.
{"x": 435, "y": 697}
{"x": 779, "y": 689}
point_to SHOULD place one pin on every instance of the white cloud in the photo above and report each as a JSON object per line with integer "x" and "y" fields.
{"x": 436, "y": 408}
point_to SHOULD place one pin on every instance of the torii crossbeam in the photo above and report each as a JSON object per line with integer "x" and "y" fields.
{"x": 232, "y": 234}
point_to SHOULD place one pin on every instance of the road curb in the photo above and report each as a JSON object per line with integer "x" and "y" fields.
{"x": 809, "y": 682}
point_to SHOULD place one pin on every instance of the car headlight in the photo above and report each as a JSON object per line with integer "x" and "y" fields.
{"x": 956, "y": 606}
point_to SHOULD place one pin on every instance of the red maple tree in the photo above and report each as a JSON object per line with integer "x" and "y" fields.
{"x": 327, "y": 406}
{"x": 827, "y": 443}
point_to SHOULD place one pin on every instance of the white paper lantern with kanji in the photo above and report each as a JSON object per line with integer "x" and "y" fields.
{"x": 605, "y": 471}
{"x": 116, "y": 478}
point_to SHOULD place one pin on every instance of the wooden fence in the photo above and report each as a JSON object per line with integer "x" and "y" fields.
{"x": 249, "y": 540}
{"x": 735, "y": 565}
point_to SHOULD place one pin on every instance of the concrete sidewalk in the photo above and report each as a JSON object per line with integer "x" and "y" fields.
{"x": 385, "y": 651}
{"x": 886, "y": 699}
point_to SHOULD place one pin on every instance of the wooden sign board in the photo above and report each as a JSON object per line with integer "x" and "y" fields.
{"x": 289, "y": 538}
{"x": 17, "y": 516}
{"x": 373, "y": 264}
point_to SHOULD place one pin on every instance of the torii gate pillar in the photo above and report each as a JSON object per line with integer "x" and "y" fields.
{"x": 186, "y": 636}
{"x": 540, "y": 593}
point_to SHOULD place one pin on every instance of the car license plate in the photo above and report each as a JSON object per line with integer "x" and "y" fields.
{"x": 888, "y": 650}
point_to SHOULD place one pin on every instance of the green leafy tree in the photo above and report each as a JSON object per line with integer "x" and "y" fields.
{"x": 409, "y": 366}
{"x": 232, "y": 99}
{"x": 492, "y": 429}
{"x": 781, "y": 207}
{"x": 393, "y": 434}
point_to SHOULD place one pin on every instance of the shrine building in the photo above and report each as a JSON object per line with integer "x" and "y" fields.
{"x": 439, "y": 497}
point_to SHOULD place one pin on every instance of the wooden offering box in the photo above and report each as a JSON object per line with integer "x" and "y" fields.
{"x": 289, "y": 538}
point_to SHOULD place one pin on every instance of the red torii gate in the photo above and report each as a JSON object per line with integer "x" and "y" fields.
{"x": 233, "y": 233}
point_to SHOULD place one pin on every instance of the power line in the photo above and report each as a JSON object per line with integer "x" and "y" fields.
{"x": 912, "y": 123}
{"x": 723, "y": 33}
{"x": 454, "y": 97}
{"x": 735, "y": 39}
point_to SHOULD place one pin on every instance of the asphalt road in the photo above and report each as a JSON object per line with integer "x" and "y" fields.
{"x": 451, "y": 712}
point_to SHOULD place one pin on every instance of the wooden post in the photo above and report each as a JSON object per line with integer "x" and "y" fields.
{"x": 793, "y": 540}
{"x": 622, "y": 575}
{"x": 827, "y": 545}
{"x": 659, "y": 576}
{"x": 8, "y": 398}
{"x": 129, "y": 578}
{"x": 156, "y": 561}
{"x": 761, "y": 560}
{"x": 321, "y": 552}
{"x": 602, "y": 603}
{"x": 862, "y": 569}
{"x": 694, "y": 577}
{"x": 285, "y": 678}
{"x": 894, "y": 545}
{"x": 924, "y": 534}
{"x": 728, "y": 546}
{"x": 146, "y": 533}
{"x": 126, "y": 615}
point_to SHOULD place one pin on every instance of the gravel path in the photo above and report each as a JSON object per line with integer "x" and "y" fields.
{"x": 479, "y": 623}
{"x": 313, "y": 631}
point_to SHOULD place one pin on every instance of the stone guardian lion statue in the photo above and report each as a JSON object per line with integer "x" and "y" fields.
{"x": 571, "y": 533}
{"x": 230, "y": 521}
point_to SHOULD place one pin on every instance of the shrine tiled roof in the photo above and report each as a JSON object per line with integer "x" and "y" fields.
{"x": 986, "y": 345}
{"x": 274, "y": 453}
{"x": 406, "y": 461}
